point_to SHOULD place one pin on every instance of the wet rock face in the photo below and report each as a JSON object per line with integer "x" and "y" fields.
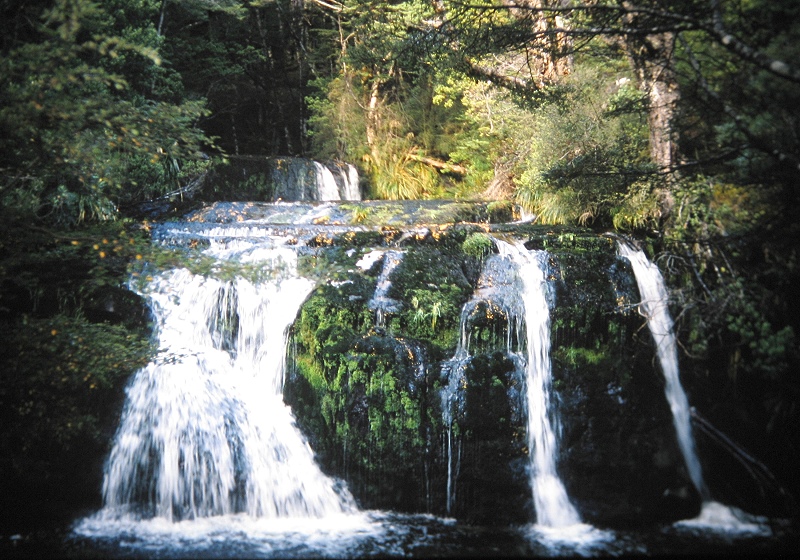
{"x": 492, "y": 485}
{"x": 370, "y": 397}
{"x": 619, "y": 456}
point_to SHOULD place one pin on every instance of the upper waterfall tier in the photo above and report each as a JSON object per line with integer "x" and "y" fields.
{"x": 285, "y": 178}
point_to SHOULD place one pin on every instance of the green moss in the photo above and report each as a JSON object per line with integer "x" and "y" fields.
{"x": 576, "y": 356}
{"x": 477, "y": 245}
{"x": 431, "y": 282}
{"x": 371, "y": 405}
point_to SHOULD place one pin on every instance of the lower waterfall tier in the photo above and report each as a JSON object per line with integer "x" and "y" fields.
{"x": 382, "y": 409}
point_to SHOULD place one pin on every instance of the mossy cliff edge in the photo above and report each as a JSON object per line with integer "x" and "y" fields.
{"x": 368, "y": 390}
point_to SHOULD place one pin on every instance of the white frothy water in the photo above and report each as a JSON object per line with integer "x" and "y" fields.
{"x": 514, "y": 280}
{"x": 654, "y": 307}
{"x": 365, "y": 262}
{"x": 722, "y": 518}
{"x": 381, "y": 303}
{"x": 351, "y": 188}
{"x": 553, "y": 507}
{"x": 326, "y": 183}
{"x": 653, "y": 291}
{"x": 205, "y": 431}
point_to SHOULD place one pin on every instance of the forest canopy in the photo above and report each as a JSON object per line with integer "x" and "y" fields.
{"x": 597, "y": 112}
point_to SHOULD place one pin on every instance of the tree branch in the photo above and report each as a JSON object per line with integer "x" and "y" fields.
{"x": 756, "y": 141}
{"x": 438, "y": 164}
{"x": 745, "y": 51}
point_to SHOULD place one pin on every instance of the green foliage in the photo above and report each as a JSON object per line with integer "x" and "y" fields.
{"x": 495, "y": 128}
{"x": 337, "y": 121}
{"x": 588, "y": 160}
{"x": 59, "y": 374}
{"x": 477, "y": 245}
{"x": 72, "y": 334}
{"x": 396, "y": 176}
{"x": 768, "y": 346}
{"x": 73, "y": 130}
{"x": 358, "y": 392}
{"x": 708, "y": 207}
{"x": 46, "y": 272}
{"x": 434, "y": 286}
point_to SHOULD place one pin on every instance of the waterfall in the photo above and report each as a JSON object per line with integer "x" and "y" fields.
{"x": 653, "y": 306}
{"x": 301, "y": 179}
{"x": 349, "y": 176}
{"x": 380, "y": 302}
{"x": 352, "y": 192}
{"x": 513, "y": 282}
{"x": 327, "y": 189}
{"x": 204, "y": 431}
{"x": 453, "y": 372}
{"x": 553, "y": 507}
{"x": 495, "y": 293}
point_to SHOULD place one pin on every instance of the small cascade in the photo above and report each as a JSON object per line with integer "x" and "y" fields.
{"x": 380, "y": 303}
{"x": 495, "y": 295}
{"x": 348, "y": 181}
{"x": 300, "y": 179}
{"x": 452, "y": 405}
{"x": 553, "y": 507}
{"x": 512, "y": 285}
{"x": 327, "y": 189}
{"x": 352, "y": 189}
{"x": 205, "y": 431}
{"x": 654, "y": 307}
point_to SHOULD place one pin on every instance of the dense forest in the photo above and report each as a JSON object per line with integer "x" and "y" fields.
{"x": 677, "y": 122}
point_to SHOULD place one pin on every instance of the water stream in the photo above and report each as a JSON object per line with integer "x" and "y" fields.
{"x": 553, "y": 507}
{"x": 495, "y": 291}
{"x": 513, "y": 280}
{"x": 208, "y": 459}
{"x": 654, "y": 306}
{"x": 205, "y": 431}
{"x": 381, "y": 303}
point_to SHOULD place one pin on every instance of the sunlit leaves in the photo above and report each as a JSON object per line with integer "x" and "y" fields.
{"x": 588, "y": 154}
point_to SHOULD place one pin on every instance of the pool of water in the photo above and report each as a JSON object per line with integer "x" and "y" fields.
{"x": 384, "y": 534}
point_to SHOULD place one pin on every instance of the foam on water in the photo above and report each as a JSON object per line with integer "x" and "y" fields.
{"x": 722, "y": 518}
{"x": 579, "y": 539}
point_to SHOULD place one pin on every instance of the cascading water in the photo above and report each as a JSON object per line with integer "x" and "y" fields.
{"x": 453, "y": 372}
{"x": 553, "y": 507}
{"x": 381, "y": 303}
{"x": 495, "y": 293}
{"x": 208, "y": 461}
{"x": 654, "y": 307}
{"x": 205, "y": 431}
{"x": 327, "y": 188}
{"x": 349, "y": 175}
{"x": 514, "y": 281}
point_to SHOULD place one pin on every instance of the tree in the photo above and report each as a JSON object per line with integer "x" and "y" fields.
{"x": 74, "y": 131}
{"x": 659, "y": 39}
{"x": 379, "y": 108}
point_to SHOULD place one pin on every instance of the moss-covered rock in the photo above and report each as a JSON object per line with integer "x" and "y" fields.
{"x": 619, "y": 455}
{"x": 492, "y": 484}
{"x": 370, "y": 395}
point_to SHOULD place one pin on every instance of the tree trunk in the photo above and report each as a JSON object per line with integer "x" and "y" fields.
{"x": 550, "y": 51}
{"x": 652, "y": 58}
